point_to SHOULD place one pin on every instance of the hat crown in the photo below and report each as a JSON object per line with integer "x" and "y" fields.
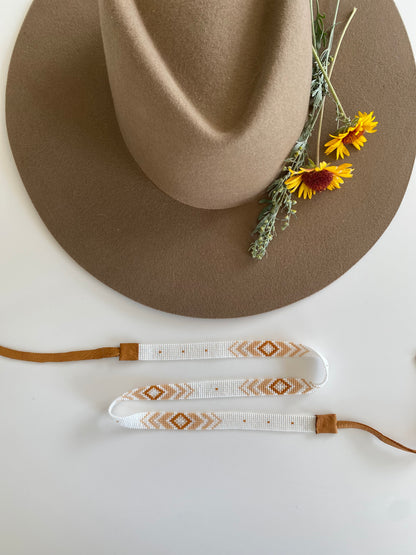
{"x": 212, "y": 49}
{"x": 210, "y": 95}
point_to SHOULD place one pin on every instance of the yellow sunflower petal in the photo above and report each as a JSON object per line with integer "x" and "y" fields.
{"x": 343, "y": 150}
{"x": 344, "y": 170}
{"x": 294, "y": 180}
{"x": 332, "y": 147}
{"x": 338, "y": 136}
{"x": 333, "y": 141}
{"x": 305, "y": 191}
{"x": 358, "y": 143}
{"x": 344, "y": 167}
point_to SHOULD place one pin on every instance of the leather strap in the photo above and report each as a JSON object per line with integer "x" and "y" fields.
{"x": 237, "y": 349}
{"x": 126, "y": 351}
{"x": 328, "y": 424}
{"x": 351, "y": 424}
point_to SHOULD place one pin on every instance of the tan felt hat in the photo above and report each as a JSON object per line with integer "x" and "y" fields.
{"x": 145, "y": 132}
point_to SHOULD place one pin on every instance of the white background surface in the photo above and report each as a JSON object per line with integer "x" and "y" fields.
{"x": 71, "y": 482}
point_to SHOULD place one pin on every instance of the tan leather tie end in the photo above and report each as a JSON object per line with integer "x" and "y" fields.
{"x": 328, "y": 424}
{"x": 358, "y": 426}
{"x": 126, "y": 351}
{"x": 90, "y": 354}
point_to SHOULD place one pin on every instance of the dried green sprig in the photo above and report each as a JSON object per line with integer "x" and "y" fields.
{"x": 320, "y": 36}
{"x": 279, "y": 198}
{"x": 332, "y": 61}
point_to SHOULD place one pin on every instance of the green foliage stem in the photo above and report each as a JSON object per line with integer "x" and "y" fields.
{"x": 279, "y": 199}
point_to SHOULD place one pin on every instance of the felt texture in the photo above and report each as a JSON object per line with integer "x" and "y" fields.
{"x": 217, "y": 89}
{"x": 125, "y": 231}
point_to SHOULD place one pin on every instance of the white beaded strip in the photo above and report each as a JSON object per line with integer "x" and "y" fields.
{"x": 211, "y": 389}
{"x": 221, "y": 388}
{"x": 224, "y": 349}
{"x": 206, "y": 421}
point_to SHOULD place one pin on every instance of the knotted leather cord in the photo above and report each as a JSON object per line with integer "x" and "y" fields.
{"x": 213, "y": 388}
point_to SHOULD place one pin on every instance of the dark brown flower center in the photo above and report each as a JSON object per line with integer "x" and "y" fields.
{"x": 317, "y": 181}
{"x": 352, "y": 135}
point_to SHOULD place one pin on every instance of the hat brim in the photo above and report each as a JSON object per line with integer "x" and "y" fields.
{"x": 122, "y": 229}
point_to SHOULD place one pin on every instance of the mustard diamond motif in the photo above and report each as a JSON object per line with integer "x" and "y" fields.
{"x": 279, "y": 386}
{"x": 180, "y": 421}
{"x": 153, "y": 392}
{"x": 268, "y": 348}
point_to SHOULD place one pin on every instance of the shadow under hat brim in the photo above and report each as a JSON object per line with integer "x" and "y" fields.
{"x": 122, "y": 229}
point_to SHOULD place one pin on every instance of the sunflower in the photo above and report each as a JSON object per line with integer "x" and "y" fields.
{"x": 363, "y": 123}
{"x": 309, "y": 181}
